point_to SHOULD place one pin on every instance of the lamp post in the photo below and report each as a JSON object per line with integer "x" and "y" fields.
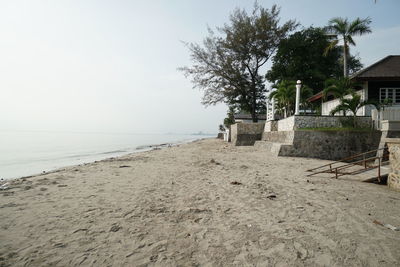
{"x": 298, "y": 87}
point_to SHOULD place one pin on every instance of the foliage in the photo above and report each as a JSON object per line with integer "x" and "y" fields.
{"x": 300, "y": 56}
{"x": 345, "y": 30}
{"x": 221, "y": 128}
{"x": 227, "y": 67}
{"x": 387, "y": 102}
{"x": 285, "y": 96}
{"x": 353, "y": 62}
{"x": 339, "y": 88}
{"x": 230, "y": 119}
{"x": 352, "y": 104}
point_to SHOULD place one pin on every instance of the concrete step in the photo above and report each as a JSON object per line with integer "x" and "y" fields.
{"x": 271, "y": 147}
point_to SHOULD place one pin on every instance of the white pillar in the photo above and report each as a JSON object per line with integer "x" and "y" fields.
{"x": 297, "y": 109}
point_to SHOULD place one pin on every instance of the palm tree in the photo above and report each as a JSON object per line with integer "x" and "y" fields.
{"x": 338, "y": 87}
{"x": 346, "y": 30}
{"x": 352, "y": 104}
{"x": 285, "y": 95}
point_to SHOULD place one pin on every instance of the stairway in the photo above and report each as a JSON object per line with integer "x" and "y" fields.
{"x": 273, "y": 148}
{"x": 277, "y": 143}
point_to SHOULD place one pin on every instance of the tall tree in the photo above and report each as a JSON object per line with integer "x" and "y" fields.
{"x": 301, "y": 57}
{"x": 345, "y": 30}
{"x": 228, "y": 66}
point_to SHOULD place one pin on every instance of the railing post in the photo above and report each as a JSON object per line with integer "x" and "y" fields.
{"x": 365, "y": 162}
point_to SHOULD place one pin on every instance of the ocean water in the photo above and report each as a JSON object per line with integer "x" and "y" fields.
{"x": 29, "y": 153}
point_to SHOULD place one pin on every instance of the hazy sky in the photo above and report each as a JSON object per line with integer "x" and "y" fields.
{"x": 111, "y": 65}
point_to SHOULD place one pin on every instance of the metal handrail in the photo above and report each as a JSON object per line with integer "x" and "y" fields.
{"x": 338, "y": 171}
{"x": 344, "y": 160}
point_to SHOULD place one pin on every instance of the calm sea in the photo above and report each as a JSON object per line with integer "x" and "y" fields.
{"x": 28, "y": 153}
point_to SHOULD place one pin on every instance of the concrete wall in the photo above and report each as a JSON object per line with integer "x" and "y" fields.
{"x": 245, "y": 134}
{"x": 330, "y": 145}
{"x": 327, "y": 107}
{"x": 286, "y": 124}
{"x": 390, "y": 125}
{"x": 391, "y": 114}
{"x": 271, "y": 126}
{"x": 394, "y": 175}
{"x": 298, "y": 122}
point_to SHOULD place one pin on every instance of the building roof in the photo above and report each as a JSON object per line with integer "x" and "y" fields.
{"x": 387, "y": 68}
{"x": 248, "y": 116}
{"x": 315, "y": 97}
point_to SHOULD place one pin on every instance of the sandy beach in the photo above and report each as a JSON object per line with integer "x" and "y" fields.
{"x": 205, "y": 203}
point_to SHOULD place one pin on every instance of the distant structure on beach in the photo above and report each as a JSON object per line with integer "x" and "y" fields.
{"x": 247, "y": 118}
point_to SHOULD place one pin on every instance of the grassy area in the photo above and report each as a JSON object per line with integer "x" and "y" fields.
{"x": 337, "y": 129}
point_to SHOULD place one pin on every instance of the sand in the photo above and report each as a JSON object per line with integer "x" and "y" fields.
{"x": 201, "y": 204}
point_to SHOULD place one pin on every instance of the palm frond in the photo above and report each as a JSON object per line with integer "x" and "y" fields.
{"x": 350, "y": 40}
{"x": 331, "y": 46}
{"x": 272, "y": 95}
{"x": 360, "y": 26}
{"x": 337, "y": 109}
{"x": 338, "y": 24}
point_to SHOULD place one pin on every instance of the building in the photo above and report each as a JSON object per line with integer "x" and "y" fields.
{"x": 379, "y": 81}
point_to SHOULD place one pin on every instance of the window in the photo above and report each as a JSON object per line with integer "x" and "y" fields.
{"x": 390, "y": 93}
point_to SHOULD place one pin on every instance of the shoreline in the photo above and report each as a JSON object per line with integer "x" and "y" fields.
{"x": 138, "y": 149}
{"x": 202, "y": 203}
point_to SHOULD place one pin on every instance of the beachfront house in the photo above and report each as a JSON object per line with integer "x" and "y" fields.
{"x": 379, "y": 81}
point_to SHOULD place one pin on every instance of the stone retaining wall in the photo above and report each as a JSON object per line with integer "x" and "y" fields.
{"x": 279, "y": 137}
{"x": 298, "y": 122}
{"x": 271, "y": 126}
{"x": 246, "y": 134}
{"x": 286, "y": 124}
{"x": 328, "y": 122}
{"x": 394, "y": 175}
{"x": 330, "y": 145}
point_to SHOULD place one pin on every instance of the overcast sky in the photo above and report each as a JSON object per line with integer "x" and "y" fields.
{"x": 111, "y": 65}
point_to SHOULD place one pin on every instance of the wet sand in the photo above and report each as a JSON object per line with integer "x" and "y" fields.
{"x": 201, "y": 204}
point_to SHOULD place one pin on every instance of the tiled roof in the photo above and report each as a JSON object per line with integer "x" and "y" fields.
{"x": 388, "y": 67}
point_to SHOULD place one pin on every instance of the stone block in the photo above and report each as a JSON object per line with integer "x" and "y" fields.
{"x": 394, "y": 175}
{"x": 246, "y": 134}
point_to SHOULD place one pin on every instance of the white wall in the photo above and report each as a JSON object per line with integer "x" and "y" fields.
{"x": 329, "y": 105}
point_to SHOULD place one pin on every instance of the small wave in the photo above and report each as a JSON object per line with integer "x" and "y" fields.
{"x": 152, "y": 146}
{"x": 112, "y": 152}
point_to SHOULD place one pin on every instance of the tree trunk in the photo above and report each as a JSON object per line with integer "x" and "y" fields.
{"x": 254, "y": 102}
{"x": 355, "y": 121}
{"x": 345, "y": 71}
{"x": 254, "y": 115}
